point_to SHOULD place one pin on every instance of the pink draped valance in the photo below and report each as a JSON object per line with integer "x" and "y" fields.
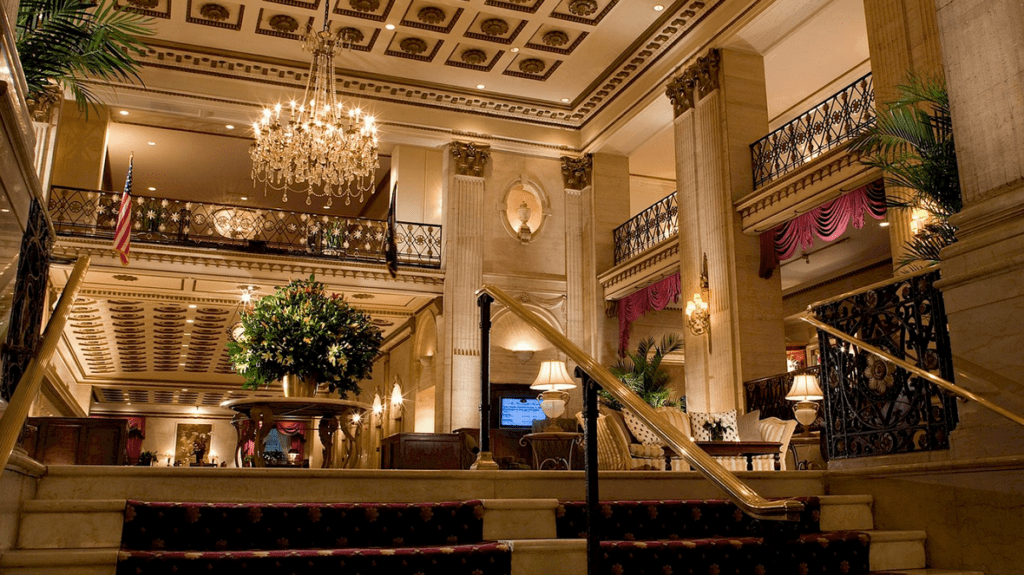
{"x": 653, "y": 297}
{"x": 826, "y": 222}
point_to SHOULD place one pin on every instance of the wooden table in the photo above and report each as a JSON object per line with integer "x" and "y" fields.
{"x": 747, "y": 449}
{"x": 263, "y": 411}
{"x": 552, "y": 450}
{"x": 812, "y": 440}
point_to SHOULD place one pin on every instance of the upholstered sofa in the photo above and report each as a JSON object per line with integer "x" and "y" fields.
{"x": 626, "y": 443}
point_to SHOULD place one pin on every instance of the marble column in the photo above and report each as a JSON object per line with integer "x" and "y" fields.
{"x": 720, "y": 107}
{"x": 464, "y": 259}
{"x": 605, "y": 208}
{"x": 903, "y": 41}
{"x": 983, "y": 273}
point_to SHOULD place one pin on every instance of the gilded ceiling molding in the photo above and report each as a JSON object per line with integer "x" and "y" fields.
{"x": 470, "y": 159}
{"x": 695, "y": 83}
{"x": 577, "y": 172}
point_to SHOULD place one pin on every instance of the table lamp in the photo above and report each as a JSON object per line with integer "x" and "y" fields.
{"x": 806, "y": 393}
{"x": 553, "y": 381}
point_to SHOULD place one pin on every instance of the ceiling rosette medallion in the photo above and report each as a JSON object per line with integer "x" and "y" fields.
{"x": 212, "y": 11}
{"x": 284, "y": 23}
{"x": 351, "y": 35}
{"x": 474, "y": 57}
{"x": 531, "y": 66}
{"x": 555, "y": 38}
{"x": 583, "y": 7}
{"x": 494, "y": 27}
{"x": 364, "y": 5}
{"x": 413, "y": 46}
{"x": 144, "y": 4}
{"x": 431, "y": 15}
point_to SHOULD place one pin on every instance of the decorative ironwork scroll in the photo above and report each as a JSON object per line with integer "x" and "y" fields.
{"x": 825, "y": 127}
{"x": 769, "y": 394}
{"x": 29, "y": 301}
{"x": 647, "y": 229}
{"x": 871, "y": 406}
{"x": 77, "y": 212}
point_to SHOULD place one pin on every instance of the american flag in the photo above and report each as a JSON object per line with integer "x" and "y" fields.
{"x": 123, "y": 231}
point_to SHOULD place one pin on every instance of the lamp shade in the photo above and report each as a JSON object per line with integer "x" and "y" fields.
{"x": 553, "y": 377}
{"x": 805, "y": 388}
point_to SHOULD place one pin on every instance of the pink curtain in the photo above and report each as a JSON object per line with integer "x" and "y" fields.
{"x": 136, "y": 433}
{"x": 653, "y": 297}
{"x": 295, "y": 429}
{"x": 826, "y": 222}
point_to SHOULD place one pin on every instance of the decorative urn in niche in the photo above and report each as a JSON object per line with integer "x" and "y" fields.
{"x": 307, "y": 338}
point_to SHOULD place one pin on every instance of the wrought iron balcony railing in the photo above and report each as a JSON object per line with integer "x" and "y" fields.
{"x": 647, "y": 229}
{"x": 825, "y": 127}
{"x": 90, "y": 213}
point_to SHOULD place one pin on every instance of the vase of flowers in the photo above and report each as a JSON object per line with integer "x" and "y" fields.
{"x": 304, "y": 336}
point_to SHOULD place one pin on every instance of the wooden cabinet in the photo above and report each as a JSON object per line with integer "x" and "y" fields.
{"x": 77, "y": 440}
{"x": 421, "y": 451}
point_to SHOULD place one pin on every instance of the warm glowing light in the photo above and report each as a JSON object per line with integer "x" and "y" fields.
{"x": 192, "y": 306}
{"x": 658, "y": 7}
{"x": 378, "y": 407}
{"x": 389, "y": 26}
{"x": 480, "y": 86}
{"x": 396, "y": 395}
{"x": 514, "y": 50}
{"x": 565, "y": 100}
{"x": 152, "y": 189}
{"x": 230, "y": 127}
{"x": 151, "y": 143}
{"x": 123, "y": 112}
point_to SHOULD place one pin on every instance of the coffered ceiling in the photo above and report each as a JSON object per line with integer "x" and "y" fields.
{"x": 554, "y": 62}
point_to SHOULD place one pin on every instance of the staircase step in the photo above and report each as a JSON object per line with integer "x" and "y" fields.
{"x": 67, "y": 562}
{"x": 519, "y": 519}
{"x": 549, "y": 557}
{"x": 896, "y": 550}
{"x": 928, "y": 572}
{"x": 847, "y": 513}
{"x": 71, "y": 524}
{"x": 490, "y": 558}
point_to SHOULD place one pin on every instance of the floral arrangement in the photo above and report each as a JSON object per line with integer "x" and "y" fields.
{"x": 302, "y": 330}
{"x": 716, "y": 429}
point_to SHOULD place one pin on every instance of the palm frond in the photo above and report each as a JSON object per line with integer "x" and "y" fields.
{"x": 924, "y": 247}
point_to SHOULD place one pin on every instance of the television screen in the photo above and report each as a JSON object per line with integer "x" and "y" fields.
{"x": 520, "y": 411}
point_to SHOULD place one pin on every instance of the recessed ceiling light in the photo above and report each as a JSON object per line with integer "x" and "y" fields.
{"x": 151, "y": 143}
{"x": 128, "y": 403}
{"x": 5, "y": 210}
{"x": 884, "y": 224}
{"x": 184, "y": 345}
{"x": 123, "y": 112}
{"x": 658, "y": 7}
{"x": 245, "y": 198}
{"x": 514, "y": 50}
{"x": 192, "y": 306}
{"x": 230, "y": 127}
{"x": 565, "y": 100}
{"x": 389, "y": 26}
{"x": 151, "y": 188}
{"x": 181, "y": 364}
{"x": 189, "y": 320}
{"x": 184, "y": 389}
{"x": 480, "y": 86}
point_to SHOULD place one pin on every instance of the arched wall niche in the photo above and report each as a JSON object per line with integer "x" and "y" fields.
{"x": 524, "y": 190}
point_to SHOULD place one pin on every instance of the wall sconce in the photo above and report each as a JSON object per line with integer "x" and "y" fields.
{"x": 524, "y": 355}
{"x": 377, "y": 409}
{"x": 698, "y": 315}
{"x": 806, "y": 393}
{"x": 553, "y": 381}
{"x": 396, "y": 400}
{"x": 426, "y": 360}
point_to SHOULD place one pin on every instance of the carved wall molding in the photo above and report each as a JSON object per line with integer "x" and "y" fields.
{"x": 695, "y": 83}
{"x": 577, "y": 172}
{"x": 626, "y": 277}
{"x": 470, "y": 159}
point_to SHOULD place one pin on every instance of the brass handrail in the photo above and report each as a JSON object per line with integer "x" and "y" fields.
{"x": 740, "y": 494}
{"x": 946, "y": 385}
{"x": 28, "y": 386}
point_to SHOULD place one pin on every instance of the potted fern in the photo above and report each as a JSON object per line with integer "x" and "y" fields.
{"x": 63, "y": 43}
{"x": 641, "y": 371}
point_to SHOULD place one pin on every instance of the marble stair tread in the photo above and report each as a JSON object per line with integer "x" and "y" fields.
{"x": 897, "y": 550}
{"x": 846, "y": 512}
{"x": 73, "y": 506}
{"x": 48, "y": 558}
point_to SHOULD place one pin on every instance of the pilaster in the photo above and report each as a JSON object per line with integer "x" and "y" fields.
{"x": 720, "y": 108}
{"x": 577, "y": 174}
{"x": 983, "y": 273}
{"x": 606, "y": 206}
{"x": 463, "y": 276}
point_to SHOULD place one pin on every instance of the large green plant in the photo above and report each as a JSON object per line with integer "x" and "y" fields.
{"x": 61, "y": 43}
{"x": 912, "y": 142}
{"x": 641, "y": 371}
{"x": 302, "y": 330}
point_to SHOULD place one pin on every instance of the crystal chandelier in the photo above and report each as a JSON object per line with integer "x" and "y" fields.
{"x": 323, "y": 149}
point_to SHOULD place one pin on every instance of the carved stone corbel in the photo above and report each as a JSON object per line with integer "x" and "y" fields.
{"x": 577, "y": 172}
{"x": 470, "y": 159}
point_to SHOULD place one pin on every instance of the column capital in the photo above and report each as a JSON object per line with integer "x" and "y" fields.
{"x": 577, "y": 172}
{"x": 696, "y": 82}
{"x": 470, "y": 158}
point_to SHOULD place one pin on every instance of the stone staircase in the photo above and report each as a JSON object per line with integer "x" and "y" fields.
{"x": 74, "y": 525}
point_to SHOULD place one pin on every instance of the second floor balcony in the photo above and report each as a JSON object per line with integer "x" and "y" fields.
{"x": 92, "y": 213}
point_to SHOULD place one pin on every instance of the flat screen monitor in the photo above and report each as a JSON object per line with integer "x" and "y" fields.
{"x": 520, "y": 411}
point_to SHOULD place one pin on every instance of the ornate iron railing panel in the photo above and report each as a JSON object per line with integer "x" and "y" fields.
{"x": 871, "y": 406}
{"x": 825, "y": 127}
{"x": 647, "y": 229}
{"x": 769, "y": 394}
{"x": 77, "y": 212}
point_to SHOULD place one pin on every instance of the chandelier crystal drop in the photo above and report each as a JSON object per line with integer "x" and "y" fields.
{"x": 324, "y": 148}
